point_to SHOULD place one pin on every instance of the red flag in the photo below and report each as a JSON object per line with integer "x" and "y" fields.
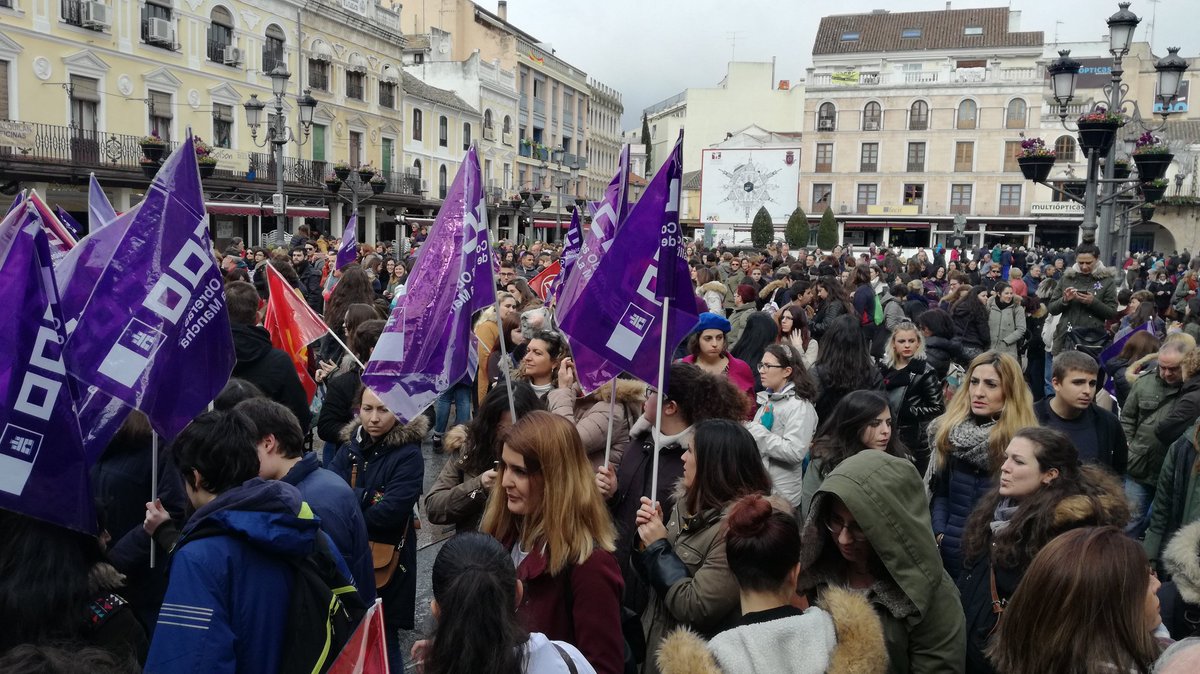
{"x": 366, "y": 652}
{"x": 543, "y": 283}
{"x": 293, "y": 326}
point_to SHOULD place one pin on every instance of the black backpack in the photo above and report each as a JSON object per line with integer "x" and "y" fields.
{"x": 323, "y": 611}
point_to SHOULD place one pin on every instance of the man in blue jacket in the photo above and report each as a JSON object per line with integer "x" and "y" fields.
{"x": 226, "y": 606}
{"x": 281, "y": 457}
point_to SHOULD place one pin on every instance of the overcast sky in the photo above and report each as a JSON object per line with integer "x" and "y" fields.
{"x": 650, "y": 50}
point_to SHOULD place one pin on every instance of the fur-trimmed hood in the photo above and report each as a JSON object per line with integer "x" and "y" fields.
{"x": 104, "y": 577}
{"x": 714, "y": 286}
{"x": 1182, "y": 559}
{"x": 455, "y": 439}
{"x": 1107, "y": 503}
{"x": 854, "y": 645}
{"x": 401, "y": 434}
{"x": 777, "y": 284}
{"x": 629, "y": 392}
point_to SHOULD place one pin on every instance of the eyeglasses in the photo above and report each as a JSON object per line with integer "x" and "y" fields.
{"x": 650, "y": 391}
{"x": 767, "y": 366}
{"x": 836, "y": 526}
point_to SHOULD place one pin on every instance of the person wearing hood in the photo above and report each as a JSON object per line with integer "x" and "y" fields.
{"x": 1043, "y": 491}
{"x": 259, "y": 363}
{"x": 281, "y": 456}
{"x": 1180, "y": 607}
{"x": 784, "y": 424}
{"x": 381, "y": 460}
{"x": 1085, "y": 297}
{"x": 231, "y": 571}
{"x": 867, "y": 531}
{"x": 711, "y": 289}
{"x": 839, "y": 635}
{"x": 590, "y": 412}
{"x": 1006, "y": 320}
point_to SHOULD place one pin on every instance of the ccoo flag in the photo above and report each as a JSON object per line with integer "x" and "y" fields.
{"x": 622, "y": 322}
{"x": 593, "y": 370}
{"x": 426, "y": 346}
{"x": 348, "y": 252}
{"x": 571, "y": 247}
{"x": 43, "y": 472}
{"x": 100, "y": 210}
{"x": 293, "y": 326}
{"x": 157, "y": 315}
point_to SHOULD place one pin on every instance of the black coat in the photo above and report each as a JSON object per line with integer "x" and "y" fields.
{"x": 1116, "y": 369}
{"x": 824, "y": 317}
{"x": 919, "y": 402}
{"x": 270, "y": 369}
{"x": 941, "y": 352}
{"x": 1185, "y": 413}
{"x": 310, "y": 286}
{"x": 337, "y": 410}
{"x": 970, "y": 328}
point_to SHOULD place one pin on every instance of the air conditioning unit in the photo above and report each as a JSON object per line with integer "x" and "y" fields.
{"x": 95, "y": 15}
{"x": 160, "y": 31}
{"x": 871, "y": 125}
{"x": 424, "y": 186}
{"x": 825, "y": 125}
{"x": 232, "y": 56}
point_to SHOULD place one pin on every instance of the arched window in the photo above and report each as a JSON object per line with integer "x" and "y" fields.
{"x": 273, "y": 49}
{"x": 507, "y": 124}
{"x": 1064, "y": 149}
{"x": 443, "y": 131}
{"x": 442, "y": 181}
{"x": 220, "y": 36}
{"x": 417, "y": 168}
{"x": 968, "y": 115}
{"x": 826, "y": 117}
{"x": 1014, "y": 118}
{"x": 918, "y": 116}
{"x": 872, "y": 117}
{"x": 417, "y": 130}
{"x": 487, "y": 119}
{"x": 466, "y": 136}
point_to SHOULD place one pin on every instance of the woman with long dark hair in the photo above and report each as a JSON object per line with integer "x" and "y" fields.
{"x": 475, "y": 597}
{"x": 862, "y": 420}
{"x": 1087, "y": 605}
{"x": 970, "y": 318}
{"x": 839, "y": 635}
{"x": 761, "y": 331}
{"x": 526, "y": 298}
{"x": 545, "y": 353}
{"x": 1043, "y": 491}
{"x": 1140, "y": 344}
{"x": 832, "y": 302}
{"x": 552, "y": 520}
{"x": 353, "y": 287}
{"x": 684, "y": 558}
{"x": 461, "y": 490}
{"x": 785, "y": 422}
{"x": 843, "y": 365}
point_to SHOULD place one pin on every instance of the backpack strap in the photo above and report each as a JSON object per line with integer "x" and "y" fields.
{"x": 566, "y": 658}
{"x": 103, "y": 607}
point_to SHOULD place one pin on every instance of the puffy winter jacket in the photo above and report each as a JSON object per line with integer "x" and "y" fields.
{"x": 270, "y": 369}
{"x": 1177, "y": 495}
{"x": 1150, "y": 401}
{"x": 589, "y": 413}
{"x": 941, "y": 352}
{"x": 783, "y": 427}
{"x": 1006, "y": 326}
{"x": 956, "y": 488}
{"x": 1102, "y": 283}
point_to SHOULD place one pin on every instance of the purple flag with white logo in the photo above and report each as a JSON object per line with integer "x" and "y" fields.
{"x": 68, "y": 221}
{"x": 427, "y": 345}
{"x": 154, "y": 333}
{"x": 608, "y": 216}
{"x": 348, "y": 251}
{"x": 43, "y": 473}
{"x": 572, "y": 244}
{"x": 620, "y": 314}
{"x": 100, "y": 210}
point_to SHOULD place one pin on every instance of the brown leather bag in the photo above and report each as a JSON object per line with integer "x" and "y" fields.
{"x": 385, "y": 557}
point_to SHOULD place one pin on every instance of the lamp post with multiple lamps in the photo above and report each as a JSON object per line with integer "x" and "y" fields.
{"x": 560, "y": 181}
{"x": 361, "y": 184}
{"x": 279, "y": 133}
{"x": 525, "y": 203}
{"x": 1098, "y": 128}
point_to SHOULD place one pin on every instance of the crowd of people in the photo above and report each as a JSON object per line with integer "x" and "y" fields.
{"x": 1033, "y": 503}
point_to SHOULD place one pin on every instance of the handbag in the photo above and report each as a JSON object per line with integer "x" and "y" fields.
{"x": 385, "y": 557}
{"x": 1091, "y": 341}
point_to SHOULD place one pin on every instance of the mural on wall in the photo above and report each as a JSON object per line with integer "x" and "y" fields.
{"x": 736, "y": 182}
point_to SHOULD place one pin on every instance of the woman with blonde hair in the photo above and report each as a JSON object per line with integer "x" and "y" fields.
{"x": 1087, "y": 605}
{"x": 968, "y": 443}
{"x": 551, "y": 517}
{"x": 913, "y": 388}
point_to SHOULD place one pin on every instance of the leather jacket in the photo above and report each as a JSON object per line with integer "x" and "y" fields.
{"x": 921, "y": 401}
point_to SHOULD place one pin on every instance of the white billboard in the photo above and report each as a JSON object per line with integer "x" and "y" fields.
{"x": 736, "y": 182}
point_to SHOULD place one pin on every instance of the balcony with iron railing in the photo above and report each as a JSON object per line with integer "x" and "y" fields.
{"x": 58, "y": 152}
{"x": 907, "y": 78}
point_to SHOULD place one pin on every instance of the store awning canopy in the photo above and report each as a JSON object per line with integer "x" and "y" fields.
{"x": 240, "y": 208}
{"x": 550, "y": 224}
{"x": 889, "y": 224}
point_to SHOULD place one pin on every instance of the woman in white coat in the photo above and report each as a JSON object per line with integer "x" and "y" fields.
{"x": 1006, "y": 320}
{"x": 785, "y": 422}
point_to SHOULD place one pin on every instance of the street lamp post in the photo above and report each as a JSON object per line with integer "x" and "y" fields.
{"x": 561, "y": 180}
{"x": 360, "y": 189}
{"x": 524, "y": 204}
{"x": 1104, "y": 192}
{"x": 278, "y": 132}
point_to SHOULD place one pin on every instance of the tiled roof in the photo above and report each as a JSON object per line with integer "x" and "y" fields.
{"x": 416, "y": 43}
{"x": 941, "y": 29}
{"x": 691, "y": 180}
{"x": 1185, "y": 130}
{"x": 416, "y": 88}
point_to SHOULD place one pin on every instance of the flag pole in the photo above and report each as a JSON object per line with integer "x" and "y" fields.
{"x": 329, "y": 330}
{"x": 512, "y": 405}
{"x": 662, "y": 357}
{"x": 612, "y": 403}
{"x": 153, "y": 484}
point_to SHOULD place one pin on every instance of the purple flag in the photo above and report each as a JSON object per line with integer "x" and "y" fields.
{"x": 69, "y": 222}
{"x": 348, "y": 251}
{"x": 607, "y": 217}
{"x": 427, "y": 345}
{"x": 16, "y": 202}
{"x": 571, "y": 247}
{"x": 154, "y": 333}
{"x": 620, "y": 314}
{"x": 100, "y": 210}
{"x": 1113, "y": 350}
{"x": 43, "y": 473}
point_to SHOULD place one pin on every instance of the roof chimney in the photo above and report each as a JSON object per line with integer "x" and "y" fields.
{"x": 502, "y": 10}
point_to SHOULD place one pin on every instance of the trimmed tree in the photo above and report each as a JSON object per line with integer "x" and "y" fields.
{"x": 646, "y": 143}
{"x": 762, "y": 230}
{"x": 796, "y": 233}
{"x": 827, "y": 236}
